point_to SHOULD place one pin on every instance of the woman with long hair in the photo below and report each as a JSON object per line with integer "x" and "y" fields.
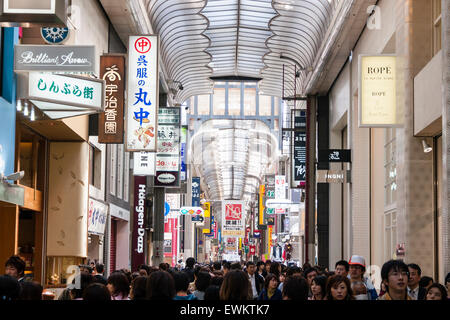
{"x": 318, "y": 288}
{"x": 119, "y": 286}
{"x": 160, "y": 286}
{"x": 235, "y": 286}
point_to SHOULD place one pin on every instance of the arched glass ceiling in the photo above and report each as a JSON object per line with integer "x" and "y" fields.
{"x": 232, "y": 156}
{"x": 200, "y": 39}
{"x": 180, "y": 26}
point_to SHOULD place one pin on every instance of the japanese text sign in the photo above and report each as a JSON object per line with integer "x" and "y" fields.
{"x": 233, "y": 218}
{"x": 142, "y": 104}
{"x": 112, "y": 70}
{"x": 66, "y": 90}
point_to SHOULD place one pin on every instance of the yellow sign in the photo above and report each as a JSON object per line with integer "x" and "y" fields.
{"x": 262, "y": 190}
{"x": 377, "y": 95}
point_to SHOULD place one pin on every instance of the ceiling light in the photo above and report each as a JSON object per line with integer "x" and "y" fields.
{"x": 25, "y": 110}
{"x": 426, "y": 147}
{"x": 19, "y": 105}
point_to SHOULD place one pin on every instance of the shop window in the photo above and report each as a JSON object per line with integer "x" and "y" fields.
{"x": 219, "y": 101}
{"x": 390, "y": 235}
{"x": 265, "y": 105}
{"x": 390, "y": 169}
{"x": 61, "y": 270}
{"x": 203, "y": 105}
{"x": 250, "y": 100}
{"x": 95, "y": 167}
{"x": 437, "y": 26}
{"x": 234, "y": 99}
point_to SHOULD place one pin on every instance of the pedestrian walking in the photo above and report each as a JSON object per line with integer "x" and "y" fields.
{"x": 339, "y": 288}
{"x": 256, "y": 280}
{"x": 201, "y": 284}
{"x": 394, "y": 275}
{"x": 181, "y": 281}
{"x": 318, "y": 288}
{"x": 270, "y": 291}
{"x": 118, "y": 286}
{"x": 295, "y": 288}
{"x": 235, "y": 286}
{"x": 160, "y": 286}
{"x": 436, "y": 292}
{"x": 415, "y": 291}
{"x": 357, "y": 268}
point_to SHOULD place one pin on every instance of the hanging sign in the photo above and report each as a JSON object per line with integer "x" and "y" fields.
{"x": 233, "y": 218}
{"x": 298, "y": 151}
{"x": 142, "y": 105}
{"x": 54, "y": 58}
{"x": 138, "y": 238}
{"x": 280, "y": 187}
{"x": 98, "y": 213}
{"x": 60, "y": 96}
{"x": 183, "y": 154}
{"x": 193, "y": 211}
{"x": 377, "y": 91}
{"x": 168, "y": 148}
{"x": 112, "y": 70}
{"x": 144, "y": 163}
{"x": 196, "y": 191}
{"x": 335, "y": 155}
{"x": 333, "y": 176}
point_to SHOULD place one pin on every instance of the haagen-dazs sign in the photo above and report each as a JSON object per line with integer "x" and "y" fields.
{"x": 54, "y": 58}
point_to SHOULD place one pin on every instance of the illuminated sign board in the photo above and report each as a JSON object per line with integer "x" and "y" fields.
{"x": 142, "y": 105}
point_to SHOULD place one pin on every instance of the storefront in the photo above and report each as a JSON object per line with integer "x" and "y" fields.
{"x": 119, "y": 238}
{"x": 98, "y": 215}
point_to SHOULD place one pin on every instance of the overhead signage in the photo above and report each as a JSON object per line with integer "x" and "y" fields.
{"x": 281, "y": 187}
{"x": 112, "y": 71}
{"x": 299, "y": 151}
{"x": 168, "y": 148}
{"x": 377, "y": 91}
{"x": 196, "y": 191}
{"x": 144, "y": 163}
{"x": 54, "y": 58}
{"x": 98, "y": 213}
{"x": 261, "y": 205}
{"x": 335, "y": 155}
{"x": 193, "y": 211}
{"x": 143, "y": 84}
{"x": 183, "y": 154}
{"x": 138, "y": 237}
{"x": 333, "y": 176}
{"x": 54, "y": 35}
{"x": 233, "y": 218}
{"x": 119, "y": 213}
{"x": 60, "y": 96}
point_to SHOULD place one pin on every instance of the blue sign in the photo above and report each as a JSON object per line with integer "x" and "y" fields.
{"x": 53, "y": 35}
{"x": 183, "y": 161}
{"x": 166, "y": 208}
{"x": 196, "y": 192}
{"x": 8, "y": 103}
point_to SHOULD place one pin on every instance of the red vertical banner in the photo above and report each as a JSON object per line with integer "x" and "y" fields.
{"x": 174, "y": 241}
{"x": 138, "y": 239}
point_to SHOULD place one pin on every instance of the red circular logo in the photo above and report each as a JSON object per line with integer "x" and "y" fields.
{"x": 142, "y": 45}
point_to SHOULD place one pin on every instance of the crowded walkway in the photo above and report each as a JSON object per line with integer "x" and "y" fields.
{"x": 230, "y": 281}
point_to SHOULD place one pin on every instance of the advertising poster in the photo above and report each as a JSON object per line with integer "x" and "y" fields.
{"x": 233, "y": 219}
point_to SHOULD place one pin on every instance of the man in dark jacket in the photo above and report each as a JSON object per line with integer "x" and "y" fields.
{"x": 190, "y": 262}
{"x": 415, "y": 291}
{"x": 256, "y": 281}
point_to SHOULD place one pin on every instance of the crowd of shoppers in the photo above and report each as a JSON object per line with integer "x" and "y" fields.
{"x": 265, "y": 281}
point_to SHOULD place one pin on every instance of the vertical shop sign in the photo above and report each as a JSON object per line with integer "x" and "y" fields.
{"x": 168, "y": 148}
{"x": 196, "y": 192}
{"x": 377, "y": 91}
{"x": 112, "y": 70}
{"x": 280, "y": 187}
{"x": 233, "y": 218}
{"x": 269, "y": 194}
{"x": 299, "y": 150}
{"x": 142, "y": 105}
{"x": 138, "y": 252}
{"x": 183, "y": 154}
